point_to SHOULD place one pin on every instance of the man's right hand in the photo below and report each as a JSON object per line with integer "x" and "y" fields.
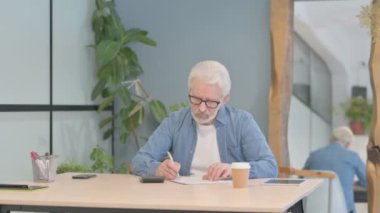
{"x": 168, "y": 169}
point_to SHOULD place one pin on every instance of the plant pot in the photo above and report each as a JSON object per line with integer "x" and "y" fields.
{"x": 357, "y": 127}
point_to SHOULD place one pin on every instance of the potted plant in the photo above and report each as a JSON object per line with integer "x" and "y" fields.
{"x": 358, "y": 111}
{"x": 118, "y": 72}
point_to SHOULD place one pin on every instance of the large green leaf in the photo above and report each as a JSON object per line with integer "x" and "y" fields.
{"x": 124, "y": 96}
{"x": 105, "y": 103}
{"x": 100, "y": 4}
{"x": 133, "y": 116}
{"x": 106, "y": 51}
{"x": 97, "y": 25}
{"x": 133, "y": 69}
{"x": 107, "y": 121}
{"x": 158, "y": 110}
{"x": 104, "y": 72}
{"x": 138, "y": 106}
{"x": 137, "y": 35}
{"x": 98, "y": 89}
{"x": 107, "y": 134}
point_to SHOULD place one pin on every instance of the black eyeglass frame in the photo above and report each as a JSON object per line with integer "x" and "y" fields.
{"x": 207, "y": 102}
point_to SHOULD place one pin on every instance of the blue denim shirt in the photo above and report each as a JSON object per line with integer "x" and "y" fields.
{"x": 345, "y": 163}
{"x": 238, "y": 135}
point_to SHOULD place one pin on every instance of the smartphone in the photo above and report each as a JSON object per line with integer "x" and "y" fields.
{"x": 152, "y": 179}
{"x": 84, "y": 176}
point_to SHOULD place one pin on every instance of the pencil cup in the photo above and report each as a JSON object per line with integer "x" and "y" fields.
{"x": 240, "y": 174}
{"x": 44, "y": 168}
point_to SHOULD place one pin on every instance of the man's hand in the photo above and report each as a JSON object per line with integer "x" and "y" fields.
{"x": 168, "y": 169}
{"x": 217, "y": 171}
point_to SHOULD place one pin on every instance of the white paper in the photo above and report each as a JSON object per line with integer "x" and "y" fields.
{"x": 195, "y": 180}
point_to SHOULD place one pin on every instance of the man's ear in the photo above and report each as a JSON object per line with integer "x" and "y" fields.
{"x": 226, "y": 98}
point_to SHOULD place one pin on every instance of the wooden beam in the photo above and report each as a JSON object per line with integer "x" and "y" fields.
{"x": 282, "y": 78}
{"x": 373, "y": 147}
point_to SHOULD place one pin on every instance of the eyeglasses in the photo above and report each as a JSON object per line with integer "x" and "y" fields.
{"x": 198, "y": 101}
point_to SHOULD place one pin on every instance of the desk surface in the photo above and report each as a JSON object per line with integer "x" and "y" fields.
{"x": 126, "y": 192}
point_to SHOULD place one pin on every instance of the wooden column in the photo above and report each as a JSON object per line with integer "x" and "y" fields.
{"x": 282, "y": 78}
{"x": 373, "y": 147}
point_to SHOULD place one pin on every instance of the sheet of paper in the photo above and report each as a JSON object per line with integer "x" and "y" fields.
{"x": 194, "y": 180}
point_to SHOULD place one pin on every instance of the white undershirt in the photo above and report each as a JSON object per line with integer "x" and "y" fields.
{"x": 206, "y": 150}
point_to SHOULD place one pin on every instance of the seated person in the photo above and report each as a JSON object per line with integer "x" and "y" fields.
{"x": 205, "y": 138}
{"x": 345, "y": 163}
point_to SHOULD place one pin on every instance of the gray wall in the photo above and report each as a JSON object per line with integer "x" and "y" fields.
{"x": 236, "y": 33}
{"x": 187, "y": 31}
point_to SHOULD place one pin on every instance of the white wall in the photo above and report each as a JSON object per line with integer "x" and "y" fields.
{"x": 73, "y": 59}
{"x": 24, "y": 52}
{"x": 342, "y": 43}
{"x": 306, "y": 133}
{"x": 74, "y": 76}
{"x": 25, "y": 80}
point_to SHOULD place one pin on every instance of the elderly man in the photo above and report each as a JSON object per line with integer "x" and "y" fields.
{"x": 345, "y": 163}
{"x": 207, "y": 137}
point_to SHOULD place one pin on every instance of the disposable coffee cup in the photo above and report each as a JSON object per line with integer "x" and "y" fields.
{"x": 240, "y": 174}
{"x": 44, "y": 168}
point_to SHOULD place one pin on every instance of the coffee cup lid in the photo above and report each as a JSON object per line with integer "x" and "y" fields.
{"x": 240, "y": 165}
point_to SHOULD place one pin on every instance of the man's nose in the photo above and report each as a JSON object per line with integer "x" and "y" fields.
{"x": 202, "y": 107}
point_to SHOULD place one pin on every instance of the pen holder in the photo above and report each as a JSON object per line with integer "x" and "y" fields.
{"x": 44, "y": 168}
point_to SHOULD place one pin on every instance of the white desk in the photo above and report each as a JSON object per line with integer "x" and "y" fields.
{"x": 116, "y": 192}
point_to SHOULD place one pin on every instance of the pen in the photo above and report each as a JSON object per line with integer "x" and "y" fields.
{"x": 172, "y": 160}
{"x": 39, "y": 164}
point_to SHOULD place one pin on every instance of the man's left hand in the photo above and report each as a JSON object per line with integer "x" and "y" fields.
{"x": 217, "y": 171}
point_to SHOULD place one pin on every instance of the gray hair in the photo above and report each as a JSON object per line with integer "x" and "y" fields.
{"x": 211, "y": 72}
{"x": 342, "y": 134}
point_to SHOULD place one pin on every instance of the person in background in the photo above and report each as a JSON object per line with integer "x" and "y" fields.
{"x": 205, "y": 138}
{"x": 345, "y": 163}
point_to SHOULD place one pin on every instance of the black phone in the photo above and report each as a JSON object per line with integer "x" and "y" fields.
{"x": 84, "y": 176}
{"x": 152, "y": 179}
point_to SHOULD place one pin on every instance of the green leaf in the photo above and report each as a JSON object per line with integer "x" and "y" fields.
{"x": 104, "y": 72}
{"x": 133, "y": 69}
{"x": 103, "y": 162}
{"x": 98, "y": 89}
{"x": 137, "y": 107}
{"x": 106, "y": 50}
{"x": 106, "y": 93}
{"x": 106, "y": 121}
{"x": 107, "y": 102}
{"x": 148, "y": 41}
{"x": 97, "y": 24}
{"x": 124, "y": 96}
{"x": 158, "y": 110}
{"x": 133, "y": 116}
{"x": 132, "y": 35}
{"x": 121, "y": 65}
{"x": 137, "y": 35}
{"x": 100, "y": 4}
{"x": 177, "y": 106}
{"x": 107, "y": 134}
{"x": 124, "y": 136}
